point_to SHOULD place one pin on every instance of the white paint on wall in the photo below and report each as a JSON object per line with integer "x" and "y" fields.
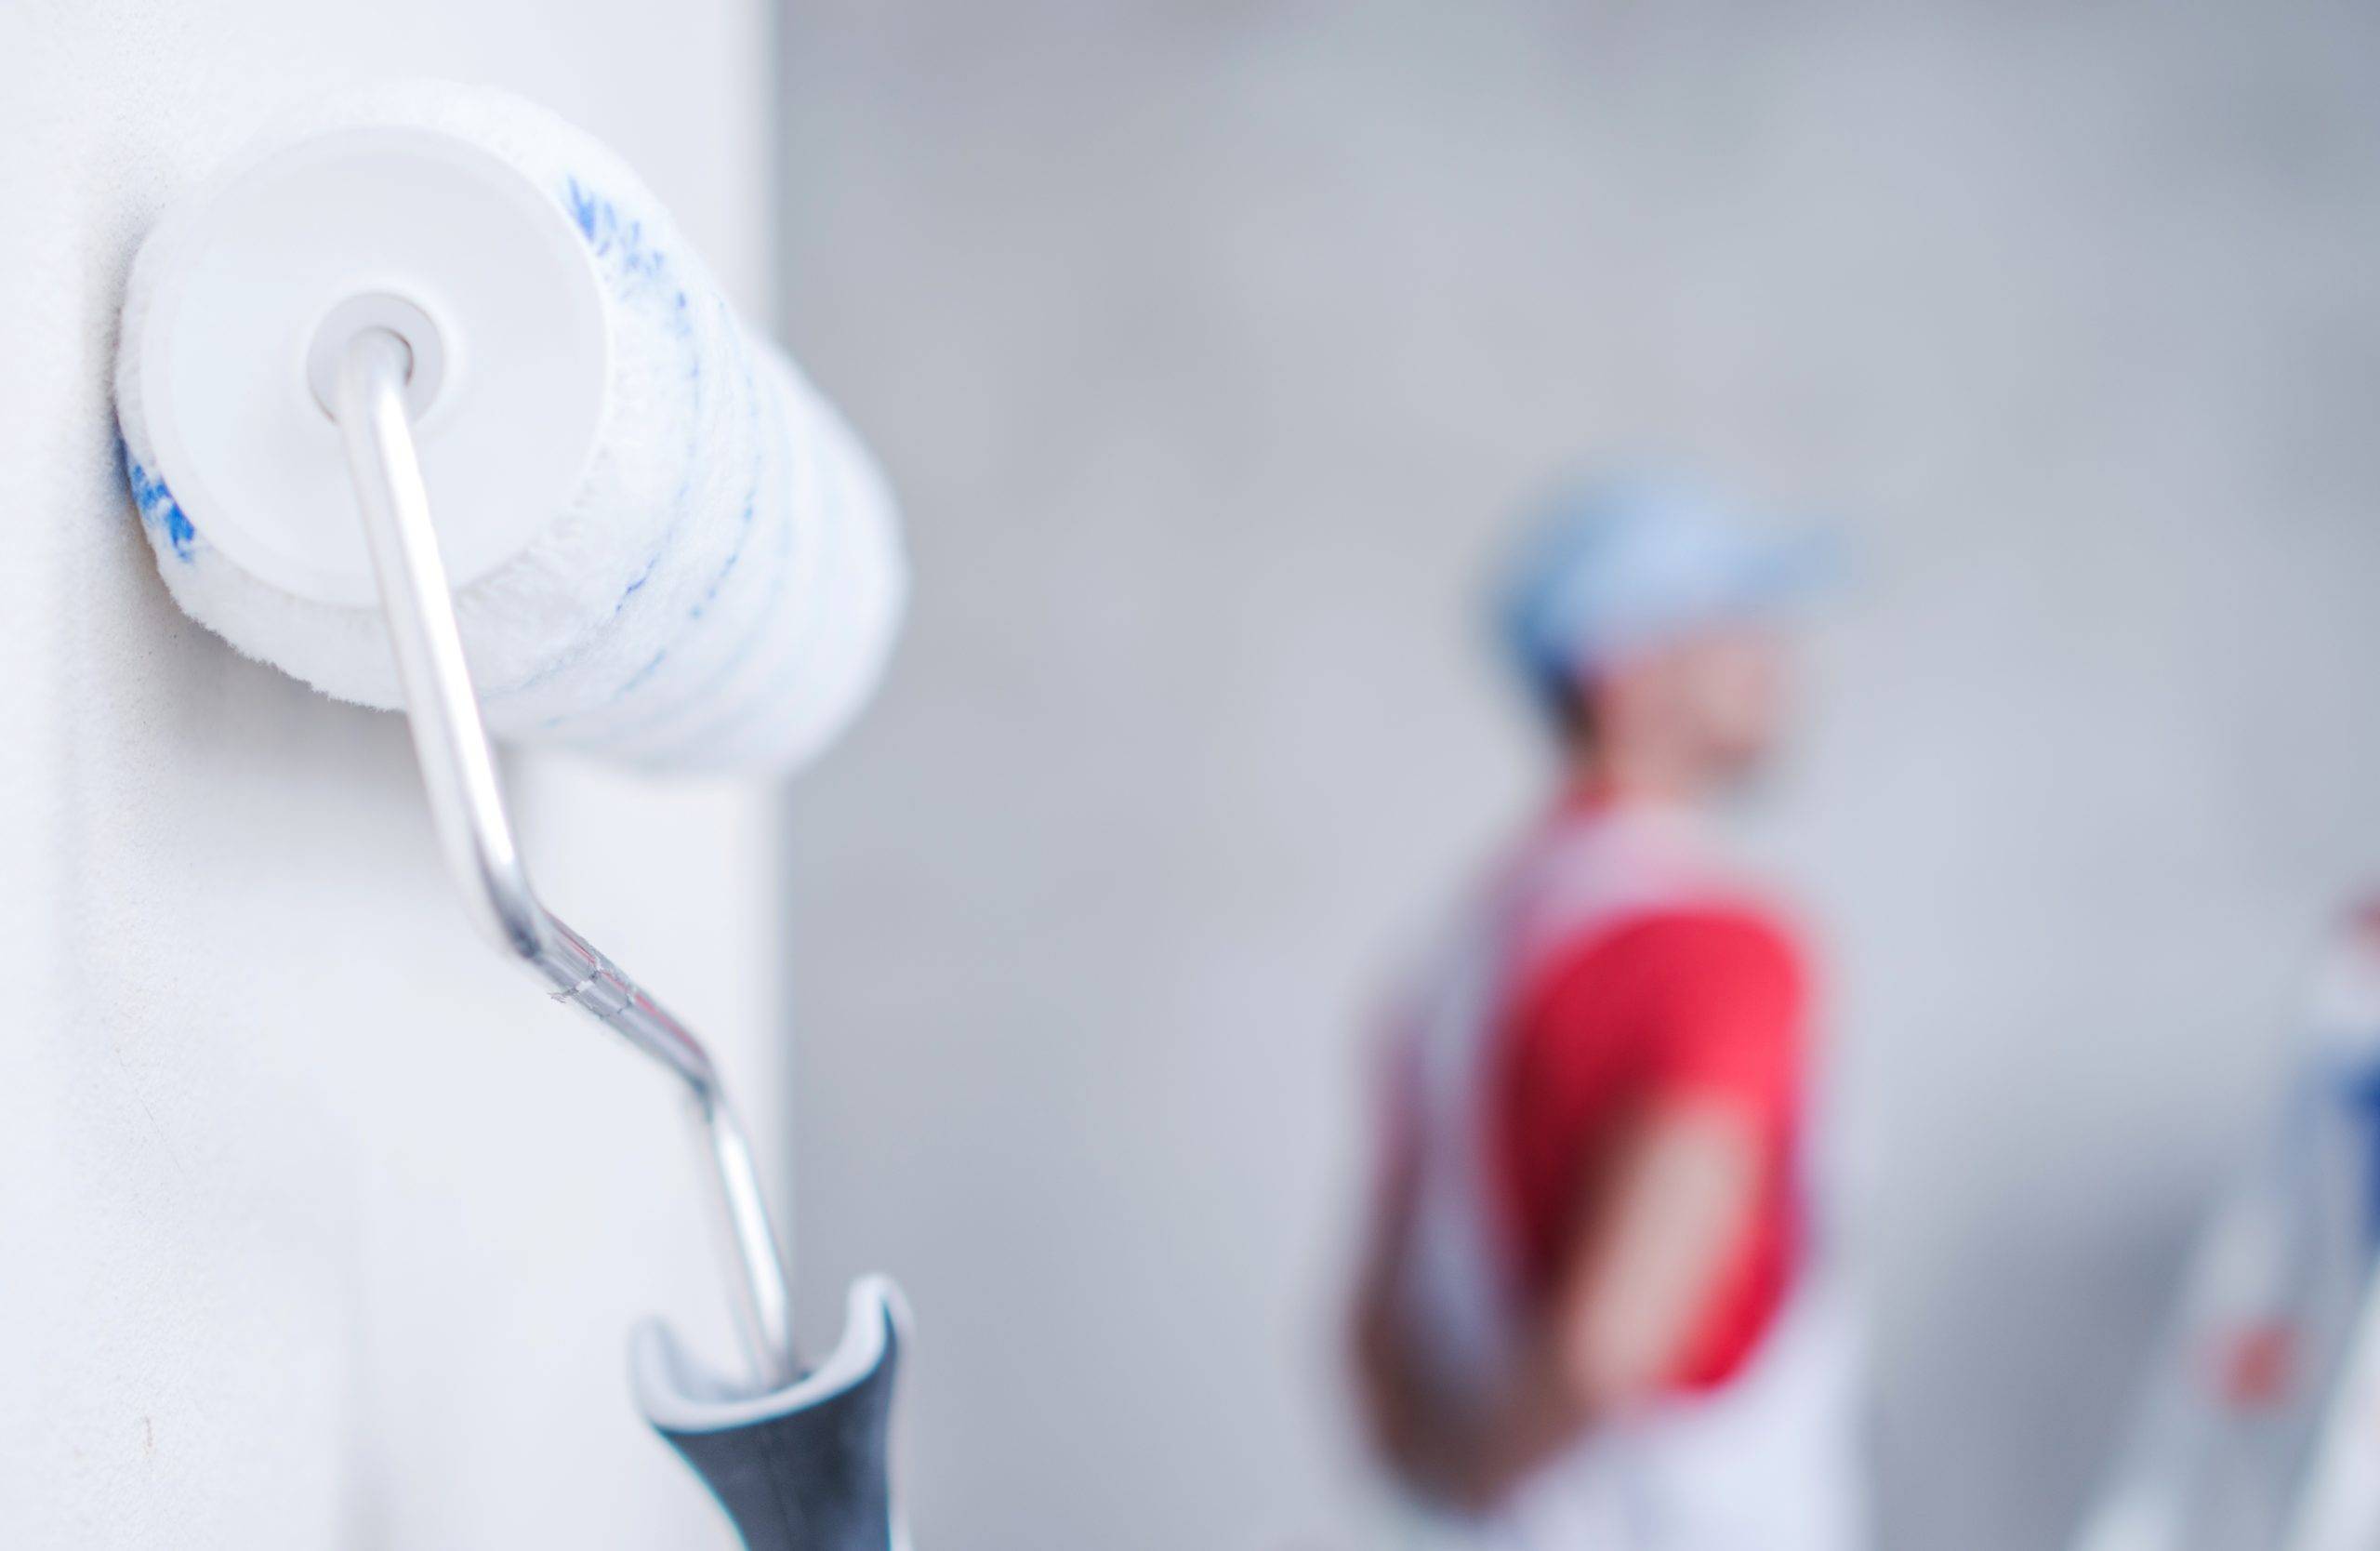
{"x": 318, "y": 1224}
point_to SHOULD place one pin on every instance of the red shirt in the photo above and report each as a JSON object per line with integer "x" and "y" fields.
{"x": 1702, "y": 1005}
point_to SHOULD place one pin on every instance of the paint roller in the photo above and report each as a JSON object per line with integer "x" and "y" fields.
{"x": 426, "y": 402}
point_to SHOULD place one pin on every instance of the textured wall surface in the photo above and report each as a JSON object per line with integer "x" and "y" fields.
{"x": 1208, "y": 343}
{"x": 318, "y": 1226}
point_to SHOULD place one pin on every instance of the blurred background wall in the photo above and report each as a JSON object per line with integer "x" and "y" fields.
{"x": 1210, "y": 343}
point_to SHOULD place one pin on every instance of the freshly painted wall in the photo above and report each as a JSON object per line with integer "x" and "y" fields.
{"x": 318, "y": 1224}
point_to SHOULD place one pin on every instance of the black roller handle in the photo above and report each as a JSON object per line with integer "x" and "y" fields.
{"x": 801, "y": 1468}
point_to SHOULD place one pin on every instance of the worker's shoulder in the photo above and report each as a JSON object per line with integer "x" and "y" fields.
{"x": 1559, "y": 932}
{"x": 1719, "y": 963}
{"x": 1741, "y": 930}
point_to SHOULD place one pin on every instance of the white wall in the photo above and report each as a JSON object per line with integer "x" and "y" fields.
{"x": 318, "y": 1226}
{"x": 1210, "y": 343}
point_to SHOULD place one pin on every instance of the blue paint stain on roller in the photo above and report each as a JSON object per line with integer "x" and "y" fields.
{"x": 158, "y": 508}
{"x": 643, "y": 272}
{"x": 701, "y": 607}
{"x": 624, "y": 243}
{"x": 727, "y": 568}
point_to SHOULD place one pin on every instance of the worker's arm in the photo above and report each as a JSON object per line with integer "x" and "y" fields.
{"x": 1387, "y": 1396}
{"x": 1644, "y": 1260}
{"x": 1400, "y": 1417}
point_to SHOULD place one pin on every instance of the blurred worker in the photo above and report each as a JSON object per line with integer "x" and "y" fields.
{"x": 1595, "y": 1312}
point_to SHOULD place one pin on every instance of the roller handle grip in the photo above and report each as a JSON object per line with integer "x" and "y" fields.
{"x": 809, "y": 1474}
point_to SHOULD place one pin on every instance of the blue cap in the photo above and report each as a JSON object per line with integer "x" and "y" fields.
{"x": 1612, "y": 567}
